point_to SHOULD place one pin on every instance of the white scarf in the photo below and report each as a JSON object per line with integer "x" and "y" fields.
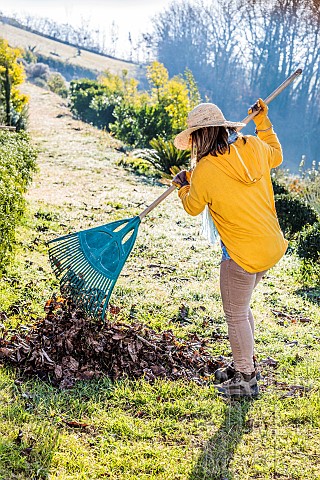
{"x": 208, "y": 228}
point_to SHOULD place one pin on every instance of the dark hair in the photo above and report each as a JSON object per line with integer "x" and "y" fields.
{"x": 211, "y": 141}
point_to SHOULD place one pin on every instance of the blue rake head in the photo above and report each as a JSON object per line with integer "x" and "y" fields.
{"x": 88, "y": 263}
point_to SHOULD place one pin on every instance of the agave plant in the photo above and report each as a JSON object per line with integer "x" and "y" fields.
{"x": 164, "y": 156}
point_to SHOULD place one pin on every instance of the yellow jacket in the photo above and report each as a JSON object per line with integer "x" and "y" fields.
{"x": 237, "y": 188}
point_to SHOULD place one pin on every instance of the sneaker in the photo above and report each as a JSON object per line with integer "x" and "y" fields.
{"x": 226, "y": 373}
{"x": 240, "y": 385}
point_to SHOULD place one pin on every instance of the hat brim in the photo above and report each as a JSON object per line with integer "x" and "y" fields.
{"x": 182, "y": 140}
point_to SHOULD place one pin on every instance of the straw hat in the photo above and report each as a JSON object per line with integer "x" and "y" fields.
{"x": 203, "y": 115}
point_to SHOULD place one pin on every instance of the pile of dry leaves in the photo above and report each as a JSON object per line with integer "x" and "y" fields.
{"x": 65, "y": 347}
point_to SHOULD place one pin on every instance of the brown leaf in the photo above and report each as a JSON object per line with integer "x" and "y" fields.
{"x": 66, "y": 382}
{"x": 119, "y": 336}
{"x": 132, "y": 352}
{"x": 305, "y": 320}
{"x": 270, "y": 362}
{"x": 5, "y": 352}
{"x": 75, "y": 424}
{"x": 114, "y": 309}
{"x": 140, "y": 414}
{"x": 58, "y": 371}
{"x": 70, "y": 363}
{"x": 75, "y": 347}
{"x": 68, "y": 345}
{"x": 87, "y": 375}
{"x": 49, "y": 305}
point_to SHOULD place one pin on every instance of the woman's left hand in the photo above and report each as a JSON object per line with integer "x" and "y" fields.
{"x": 261, "y": 107}
{"x": 182, "y": 179}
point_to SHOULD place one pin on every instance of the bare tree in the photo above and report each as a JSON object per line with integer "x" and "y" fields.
{"x": 114, "y": 34}
{"x": 243, "y": 49}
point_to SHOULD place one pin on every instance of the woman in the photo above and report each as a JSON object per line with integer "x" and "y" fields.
{"x": 232, "y": 177}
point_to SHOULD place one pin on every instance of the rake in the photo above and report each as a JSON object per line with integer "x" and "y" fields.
{"x": 88, "y": 263}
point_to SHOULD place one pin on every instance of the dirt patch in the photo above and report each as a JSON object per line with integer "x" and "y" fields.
{"x": 66, "y": 346}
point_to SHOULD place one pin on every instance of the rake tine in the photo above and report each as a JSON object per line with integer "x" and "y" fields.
{"x": 93, "y": 305}
{"x": 66, "y": 280}
{"x": 81, "y": 264}
{"x": 100, "y": 283}
{"x": 64, "y": 257}
{"x": 104, "y": 288}
{"x": 65, "y": 246}
{"x": 105, "y": 307}
{"x": 83, "y": 268}
{"x": 97, "y": 299}
{"x": 106, "y": 295}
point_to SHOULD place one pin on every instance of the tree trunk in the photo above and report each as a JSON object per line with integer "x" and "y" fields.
{"x": 7, "y": 90}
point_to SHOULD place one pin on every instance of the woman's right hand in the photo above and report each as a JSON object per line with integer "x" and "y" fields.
{"x": 182, "y": 179}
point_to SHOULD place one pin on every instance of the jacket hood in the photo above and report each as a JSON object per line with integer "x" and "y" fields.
{"x": 246, "y": 171}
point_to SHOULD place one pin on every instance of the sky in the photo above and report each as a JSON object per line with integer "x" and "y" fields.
{"x": 129, "y": 15}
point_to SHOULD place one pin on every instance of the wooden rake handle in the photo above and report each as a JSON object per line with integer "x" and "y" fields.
{"x": 273, "y": 95}
{"x": 246, "y": 120}
{"x": 157, "y": 201}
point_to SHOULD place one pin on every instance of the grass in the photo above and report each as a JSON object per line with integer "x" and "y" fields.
{"x": 132, "y": 429}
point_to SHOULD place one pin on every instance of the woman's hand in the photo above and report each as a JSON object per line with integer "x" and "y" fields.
{"x": 261, "y": 119}
{"x": 261, "y": 107}
{"x": 182, "y": 179}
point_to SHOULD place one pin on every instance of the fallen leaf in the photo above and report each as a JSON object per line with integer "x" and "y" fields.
{"x": 270, "y": 362}
{"x": 5, "y": 352}
{"x": 114, "y": 309}
{"x": 18, "y": 439}
{"x": 75, "y": 424}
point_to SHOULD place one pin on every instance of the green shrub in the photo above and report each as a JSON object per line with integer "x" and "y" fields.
{"x": 137, "y": 125}
{"x": 57, "y": 84}
{"x": 29, "y": 55}
{"x": 293, "y": 214}
{"x": 133, "y": 116}
{"x": 279, "y": 188}
{"x": 20, "y": 119}
{"x": 308, "y": 244}
{"x": 137, "y": 165}
{"x": 17, "y": 163}
{"x": 164, "y": 155}
{"x": 91, "y": 103}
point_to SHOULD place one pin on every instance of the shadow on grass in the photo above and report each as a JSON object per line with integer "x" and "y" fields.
{"x": 310, "y": 293}
{"x": 217, "y": 454}
{"x": 28, "y": 441}
{"x": 29, "y": 459}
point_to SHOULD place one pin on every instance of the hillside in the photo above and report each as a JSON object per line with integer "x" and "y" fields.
{"x": 54, "y": 50}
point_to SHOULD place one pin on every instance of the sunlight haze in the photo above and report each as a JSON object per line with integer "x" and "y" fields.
{"x": 129, "y": 16}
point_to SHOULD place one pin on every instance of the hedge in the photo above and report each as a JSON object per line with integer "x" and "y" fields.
{"x": 308, "y": 244}
{"x": 294, "y": 214}
{"x": 17, "y": 164}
